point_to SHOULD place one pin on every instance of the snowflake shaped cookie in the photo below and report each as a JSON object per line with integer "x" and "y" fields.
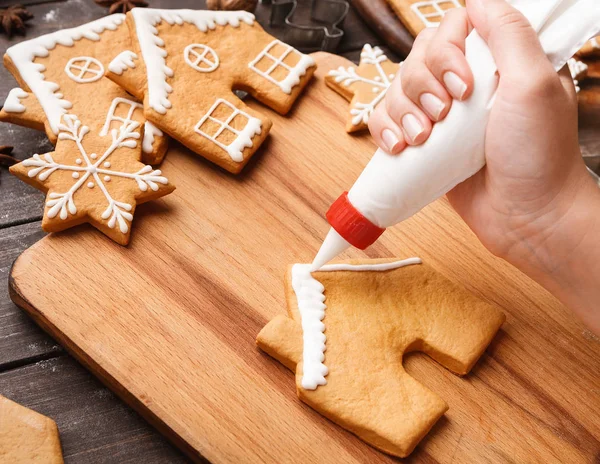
{"x": 365, "y": 86}
{"x": 100, "y": 188}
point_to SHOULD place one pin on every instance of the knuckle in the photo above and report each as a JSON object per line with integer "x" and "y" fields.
{"x": 437, "y": 56}
{"x": 512, "y": 20}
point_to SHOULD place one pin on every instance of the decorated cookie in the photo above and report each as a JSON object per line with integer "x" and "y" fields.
{"x": 184, "y": 65}
{"x": 416, "y": 15}
{"x": 95, "y": 174}
{"x": 578, "y": 71}
{"x": 349, "y": 325}
{"x": 590, "y": 49}
{"x": 27, "y": 437}
{"x": 365, "y": 85}
{"x": 62, "y": 73}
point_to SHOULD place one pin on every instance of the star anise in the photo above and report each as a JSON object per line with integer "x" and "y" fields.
{"x": 12, "y": 20}
{"x": 120, "y": 6}
{"x": 6, "y": 158}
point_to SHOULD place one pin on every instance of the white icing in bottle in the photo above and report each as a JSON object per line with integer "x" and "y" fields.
{"x": 392, "y": 188}
{"x": 310, "y": 294}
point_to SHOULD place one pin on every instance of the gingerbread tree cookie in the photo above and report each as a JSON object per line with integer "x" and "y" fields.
{"x": 27, "y": 437}
{"x": 62, "y": 73}
{"x": 349, "y": 325}
{"x": 95, "y": 174}
{"x": 416, "y": 15}
{"x": 365, "y": 85}
{"x": 185, "y": 63}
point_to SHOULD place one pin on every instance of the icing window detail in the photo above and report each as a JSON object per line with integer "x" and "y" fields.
{"x": 84, "y": 69}
{"x": 431, "y": 12}
{"x": 201, "y": 57}
{"x": 120, "y": 106}
{"x": 222, "y": 114}
{"x": 273, "y": 61}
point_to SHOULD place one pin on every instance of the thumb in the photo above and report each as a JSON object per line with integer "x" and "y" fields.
{"x": 513, "y": 42}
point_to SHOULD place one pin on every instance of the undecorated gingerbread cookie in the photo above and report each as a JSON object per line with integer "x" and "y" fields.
{"x": 416, "y": 15}
{"x": 62, "y": 73}
{"x": 27, "y": 437}
{"x": 365, "y": 86}
{"x": 184, "y": 64}
{"x": 347, "y": 328}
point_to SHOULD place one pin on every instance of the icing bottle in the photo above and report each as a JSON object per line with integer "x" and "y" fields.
{"x": 394, "y": 187}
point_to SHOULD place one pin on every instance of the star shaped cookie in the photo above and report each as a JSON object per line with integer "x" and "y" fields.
{"x": 365, "y": 86}
{"x": 95, "y": 178}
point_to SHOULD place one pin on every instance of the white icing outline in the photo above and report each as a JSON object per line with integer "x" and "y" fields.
{"x": 84, "y": 69}
{"x": 577, "y": 69}
{"x": 152, "y": 46}
{"x": 63, "y": 204}
{"x": 23, "y": 55}
{"x": 244, "y": 137}
{"x": 310, "y": 295}
{"x": 150, "y": 131}
{"x": 293, "y": 73}
{"x": 13, "y": 104}
{"x": 438, "y": 13}
{"x": 361, "y": 112}
{"x": 201, "y": 57}
{"x": 595, "y": 44}
{"x": 110, "y": 116}
{"x": 122, "y": 62}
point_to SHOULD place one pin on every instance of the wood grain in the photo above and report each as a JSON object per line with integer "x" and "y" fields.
{"x": 95, "y": 427}
{"x": 169, "y": 322}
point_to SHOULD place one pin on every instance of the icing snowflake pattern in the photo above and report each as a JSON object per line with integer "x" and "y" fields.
{"x": 347, "y": 76}
{"x": 91, "y": 170}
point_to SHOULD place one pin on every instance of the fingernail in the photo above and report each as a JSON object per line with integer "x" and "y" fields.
{"x": 455, "y": 85}
{"x": 432, "y": 105}
{"x": 391, "y": 140}
{"x": 412, "y": 126}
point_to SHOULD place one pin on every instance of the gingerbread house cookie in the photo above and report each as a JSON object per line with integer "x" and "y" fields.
{"x": 95, "y": 174}
{"x": 54, "y": 89}
{"x": 365, "y": 85}
{"x": 347, "y": 328}
{"x": 416, "y": 15}
{"x": 184, "y": 64}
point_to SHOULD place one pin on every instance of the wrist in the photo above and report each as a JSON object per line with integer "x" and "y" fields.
{"x": 561, "y": 252}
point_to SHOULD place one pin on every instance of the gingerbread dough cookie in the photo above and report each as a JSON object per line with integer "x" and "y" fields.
{"x": 590, "y": 49}
{"x": 95, "y": 174}
{"x": 185, "y": 63}
{"x": 62, "y": 73}
{"x": 347, "y": 328}
{"x": 27, "y": 437}
{"x": 364, "y": 86}
{"x": 416, "y": 15}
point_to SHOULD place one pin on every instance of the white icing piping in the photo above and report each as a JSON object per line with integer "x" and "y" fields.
{"x": 150, "y": 131}
{"x": 13, "y": 101}
{"x": 243, "y": 137}
{"x": 23, "y": 55}
{"x": 152, "y": 46}
{"x": 428, "y": 10}
{"x": 310, "y": 294}
{"x": 294, "y": 74}
{"x": 122, "y": 62}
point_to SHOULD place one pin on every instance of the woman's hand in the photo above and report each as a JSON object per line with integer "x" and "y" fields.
{"x": 533, "y": 204}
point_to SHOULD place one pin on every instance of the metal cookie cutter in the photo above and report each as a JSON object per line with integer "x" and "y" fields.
{"x": 307, "y": 37}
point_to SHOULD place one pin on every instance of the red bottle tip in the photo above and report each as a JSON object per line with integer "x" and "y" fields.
{"x": 351, "y": 224}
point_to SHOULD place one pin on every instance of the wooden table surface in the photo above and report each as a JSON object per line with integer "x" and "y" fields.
{"x": 95, "y": 426}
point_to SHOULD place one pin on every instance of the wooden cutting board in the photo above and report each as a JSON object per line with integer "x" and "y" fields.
{"x": 169, "y": 322}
